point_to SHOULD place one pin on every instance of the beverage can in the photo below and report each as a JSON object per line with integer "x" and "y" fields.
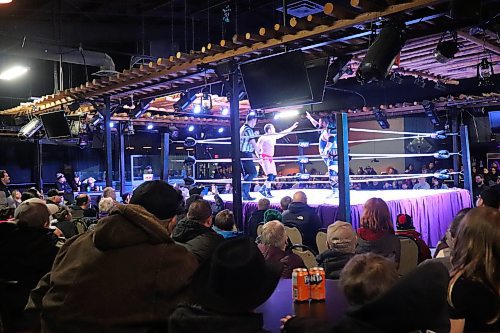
{"x": 317, "y": 283}
{"x": 300, "y": 285}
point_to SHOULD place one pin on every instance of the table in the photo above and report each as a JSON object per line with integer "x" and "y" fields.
{"x": 281, "y": 304}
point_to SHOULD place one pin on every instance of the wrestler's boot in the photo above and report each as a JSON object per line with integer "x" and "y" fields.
{"x": 268, "y": 193}
{"x": 263, "y": 190}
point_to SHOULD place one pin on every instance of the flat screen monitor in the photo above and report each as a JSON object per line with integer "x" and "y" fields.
{"x": 55, "y": 125}
{"x": 494, "y": 121}
{"x": 277, "y": 81}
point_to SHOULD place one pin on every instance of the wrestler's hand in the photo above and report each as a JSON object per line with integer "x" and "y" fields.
{"x": 308, "y": 115}
{"x": 295, "y": 125}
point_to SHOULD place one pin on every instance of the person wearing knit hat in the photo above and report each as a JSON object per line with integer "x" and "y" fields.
{"x": 405, "y": 228}
{"x": 272, "y": 215}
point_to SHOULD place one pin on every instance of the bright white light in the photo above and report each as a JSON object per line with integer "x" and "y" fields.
{"x": 197, "y": 108}
{"x": 150, "y": 126}
{"x": 5, "y": 1}
{"x": 111, "y": 124}
{"x": 13, "y": 72}
{"x": 225, "y": 111}
{"x": 221, "y": 129}
{"x": 252, "y": 113}
{"x": 191, "y": 128}
{"x": 286, "y": 114}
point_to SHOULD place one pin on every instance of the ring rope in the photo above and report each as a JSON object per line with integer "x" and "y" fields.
{"x": 396, "y": 132}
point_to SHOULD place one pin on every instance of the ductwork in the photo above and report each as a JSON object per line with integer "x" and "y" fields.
{"x": 69, "y": 55}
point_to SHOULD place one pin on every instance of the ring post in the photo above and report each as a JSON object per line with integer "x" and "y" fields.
{"x": 464, "y": 140}
{"x": 344, "y": 212}
{"x": 456, "y": 165}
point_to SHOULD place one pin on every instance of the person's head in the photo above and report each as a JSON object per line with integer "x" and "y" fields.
{"x": 274, "y": 234}
{"x": 224, "y": 220}
{"x": 190, "y": 200}
{"x": 55, "y": 196}
{"x": 200, "y": 211}
{"x": 422, "y": 180}
{"x": 410, "y": 167}
{"x": 300, "y": 196}
{"x": 451, "y": 233}
{"x": 4, "y": 177}
{"x": 269, "y": 129}
{"x": 251, "y": 119}
{"x": 477, "y": 250}
{"x": 16, "y": 195}
{"x": 341, "y": 237}
{"x": 323, "y": 122}
{"x": 367, "y": 276}
{"x": 64, "y": 214}
{"x": 285, "y": 202}
{"x": 60, "y": 178}
{"x": 404, "y": 186}
{"x": 126, "y": 198}
{"x": 272, "y": 215}
{"x": 109, "y": 192}
{"x": 391, "y": 171}
{"x": 263, "y": 204}
{"x": 82, "y": 200}
{"x": 105, "y": 205}
{"x": 431, "y": 165}
{"x": 376, "y": 215}
{"x": 488, "y": 198}
{"x": 160, "y": 199}
{"x": 31, "y": 193}
{"x": 435, "y": 181}
{"x": 32, "y": 213}
{"x": 404, "y": 222}
{"x": 479, "y": 179}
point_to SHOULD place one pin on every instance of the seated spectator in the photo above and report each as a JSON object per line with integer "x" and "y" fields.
{"x": 126, "y": 198}
{"x": 488, "y": 198}
{"x": 146, "y": 277}
{"x": 404, "y": 227}
{"x": 341, "y": 243}
{"x": 285, "y": 202}
{"x": 54, "y": 197}
{"x": 196, "y": 233}
{"x": 257, "y": 216}
{"x": 82, "y": 207}
{"x": 16, "y": 196}
{"x": 109, "y": 192}
{"x": 376, "y": 233}
{"x": 64, "y": 223}
{"x": 188, "y": 203}
{"x": 272, "y": 215}
{"x": 105, "y": 206}
{"x": 27, "y": 251}
{"x": 473, "y": 292}
{"x": 273, "y": 247}
{"x": 64, "y": 188}
{"x": 478, "y": 186}
{"x": 304, "y": 217}
{"x": 438, "y": 184}
{"x": 422, "y": 184}
{"x": 225, "y": 225}
{"x": 445, "y": 245}
{"x": 227, "y": 290}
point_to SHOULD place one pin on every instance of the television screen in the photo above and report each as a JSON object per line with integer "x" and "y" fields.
{"x": 277, "y": 81}
{"x": 494, "y": 121}
{"x": 56, "y": 125}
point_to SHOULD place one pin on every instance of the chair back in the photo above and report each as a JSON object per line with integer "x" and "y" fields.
{"x": 293, "y": 234}
{"x": 81, "y": 226}
{"x": 321, "y": 241}
{"x": 307, "y": 255}
{"x": 409, "y": 255}
{"x": 259, "y": 228}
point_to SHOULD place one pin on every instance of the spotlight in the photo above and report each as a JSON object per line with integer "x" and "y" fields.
{"x": 150, "y": 126}
{"x": 430, "y": 111}
{"x": 143, "y": 106}
{"x": 286, "y": 114}
{"x": 220, "y": 130}
{"x": 396, "y": 78}
{"x": 13, "y": 73}
{"x": 420, "y": 82}
{"x": 440, "y": 86}
{"x": 30, "y": 128}
{"x": 382, "y": 53}
{"x": 96, "y": 120}
{"x": 225, "y": 111}
{"x": 485, "y": 73}
{"x": 186, "y": 99}
{"x": 191, "y": 128}
{"x": 197, "y": 109}
{"x": 381, "y": 118}
{"x": 206, "y": 102}
{"x": 111, "y": 124}
{"x": 446, "y": 49}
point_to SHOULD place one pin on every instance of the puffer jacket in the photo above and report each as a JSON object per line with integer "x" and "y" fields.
{"x": 197, "y": 238}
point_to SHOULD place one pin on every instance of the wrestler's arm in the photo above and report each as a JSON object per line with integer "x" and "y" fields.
{"x": 313, "y": 121}
{"x": 285, "y": 132}
{"x": 259, "y": 145}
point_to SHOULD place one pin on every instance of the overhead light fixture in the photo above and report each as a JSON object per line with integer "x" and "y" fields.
{"x": 197, "y": 109}
{"x": 28, "y": 130}
{"x": 111, "y": 124}
{"x": 446, "y": 49}
{"x": 150, "y": 126}
{"x": 13, "y": 73}
{"x": 381, "y": 118}
{"x": 286, "y": 114}
{"x": 191, "y": 128}
{"x": 430, "y": 111}
{"x": 485, "y": 73}
{"x": 143, "y": 106}
{"x": 96, "y": 120}
{"x": 420, "y": 82}
{"x": 225, "y": 111}
{"x": 382, "y": 53}
{"x": 220, "y": 130}
{"x": 5, "y": 1}
{"x": 186, "y": 99}
{"x": 206, "y": 102}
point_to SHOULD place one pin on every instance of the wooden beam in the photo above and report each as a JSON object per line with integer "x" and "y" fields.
{"x": 369, "y": 5}
{"x": 483, "y": 43}
{"x": 338, "y": 11}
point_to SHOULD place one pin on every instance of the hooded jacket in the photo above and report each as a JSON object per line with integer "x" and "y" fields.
{"x": 333, "y": 261}
{"x": 289, "y": 259}
{"x": 197, "y": 238}
{"x": 384, "y": 243}
{"x": 306, "y": 220}
{"x": 126, "y": 275}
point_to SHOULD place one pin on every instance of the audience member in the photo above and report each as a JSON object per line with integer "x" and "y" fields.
{"x": 54, "y": 196}
{"x": 473, "y": 292}
{"x": 273, "y": 215}
{"x": 304, "y": 217}
{"x": 285, "y": 202}
{"x": 126, "y": 198}
{"x": 186, "y": 205}
{"x": 4, "y": 183}
{"x": 27, "y": 251}
{"x": 34, "y": 192}
{"x": 438, "y": 184}
{"x": 196, "y": 233}
{"x": 130, "y": 274}
{"x": 64, "y": 223}
{"x": 225, "y": 225}
{"x": 422, "y": 184}
{"x": 105, "y": 206}
{"x": 17, "y": 197}
{"x": 376, "y": 233}
{"x": 109, "y": 192}
{"x": 405, "y": 228}
{"x": 273, "y": 243}
{"x": 257, "y": 216}
{"x": 445, "y": 245}
{"x": 82, "y": 207}
{"x": 227, "y": 290}
{"x": 64, "y": 188}
{"x": 341, "y": 242}
{"x": 488, "y": 198}
{"x": 478, "y": 186}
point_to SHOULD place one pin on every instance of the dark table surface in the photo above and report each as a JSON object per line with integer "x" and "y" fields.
{"x": 281, "y": 304}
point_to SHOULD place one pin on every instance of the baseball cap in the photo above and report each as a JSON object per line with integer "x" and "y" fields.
{"x": 32, "y": 213}
{"x": 59, "y": 176}
{"x": 341, "y": 236}
{"x": 54, "y": 192}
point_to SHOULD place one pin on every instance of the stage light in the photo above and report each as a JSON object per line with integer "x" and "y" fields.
{"x": 381, "y": 118}
{"x": 220, "y": 130}
{"x": 485, "y": 73}
{"x": 286, "y": 114}
{"x": 191, "y": 128}
{"x": 382, "y": 53}
{"x": 206, "y": 102}
{"x": 150, "y": 126}
{"x": 186, "y": 99}
{"x": 137, "y": 112}
{"x": 197, "y": 109}
{"x": 111, "y": 124}
{"x": 420, "y": 82}
{"x": 5, "y": 1}
{"x": 13, "y": 73}
{"x": 430, "y": 111}
{"x": 225, "y": 111}
{"x": 30, "y": 128}
{"x": 445, "y": 50}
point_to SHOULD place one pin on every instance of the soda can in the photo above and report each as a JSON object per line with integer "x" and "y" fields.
{"x": 318, "y": 284}
{"x": 300, "y": 285}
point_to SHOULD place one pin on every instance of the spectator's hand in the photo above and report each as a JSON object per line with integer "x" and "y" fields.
{"x": 58, "y": 233}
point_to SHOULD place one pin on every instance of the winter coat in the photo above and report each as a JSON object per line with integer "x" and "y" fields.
{"x": 289, "y": 259}
{"x": 190, "y": 319}
{"x": 197, "y": 238}
{"x": 385, "y": 243}
{"x": 126, "y": 275}
{"x": 306, "y": 220}
{"x": 423, "y": 250}
{"x": 253, "y": 222}
{"x": 333, "y": 262}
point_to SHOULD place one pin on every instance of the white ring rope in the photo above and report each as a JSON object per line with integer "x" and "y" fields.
{"x": 366, "y": 130}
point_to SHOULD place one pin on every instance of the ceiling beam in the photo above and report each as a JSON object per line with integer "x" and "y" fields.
{"x": 483, "y": 43}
